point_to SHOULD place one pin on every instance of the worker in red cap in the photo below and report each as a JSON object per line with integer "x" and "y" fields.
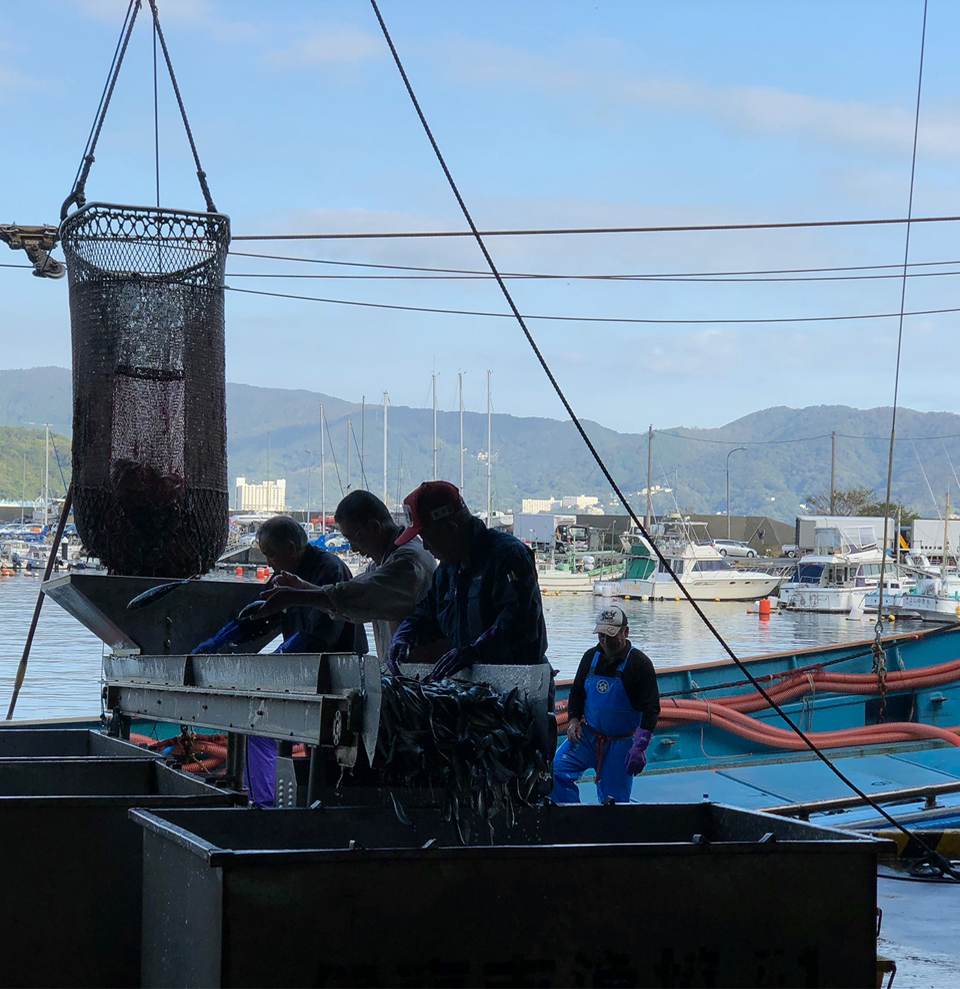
{"x": 483, "y": 605}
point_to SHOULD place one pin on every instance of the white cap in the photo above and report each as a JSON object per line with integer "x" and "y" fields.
{"x": 610, "y": 621}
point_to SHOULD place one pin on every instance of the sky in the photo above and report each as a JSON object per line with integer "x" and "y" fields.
{"x": 550, "y": 115}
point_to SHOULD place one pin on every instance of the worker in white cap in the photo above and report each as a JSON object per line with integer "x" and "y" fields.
{"x": 613, "y": 709}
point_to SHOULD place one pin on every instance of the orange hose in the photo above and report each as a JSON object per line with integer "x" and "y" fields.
{"x": 685, "y": 711}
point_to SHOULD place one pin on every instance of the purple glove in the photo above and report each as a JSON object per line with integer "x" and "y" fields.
{"x": 451, "y": 663}
{"x": 637, "y": 756}
{"x": 398, "y": 653}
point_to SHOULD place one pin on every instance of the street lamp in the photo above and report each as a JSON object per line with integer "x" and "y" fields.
{"x": 736, "y": 450}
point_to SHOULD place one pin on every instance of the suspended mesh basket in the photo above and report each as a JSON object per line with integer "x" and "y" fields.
{"x": 149, "y": 395}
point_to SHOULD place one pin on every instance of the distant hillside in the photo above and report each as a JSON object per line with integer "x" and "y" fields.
{"x": 786, "y": 460}
{"x": 22, "y": 463}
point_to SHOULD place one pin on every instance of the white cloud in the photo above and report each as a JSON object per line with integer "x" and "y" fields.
{"x": 330, "y": 45}
{"x": 756, "y": 110}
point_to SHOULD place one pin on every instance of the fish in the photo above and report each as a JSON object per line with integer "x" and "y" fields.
{"x": 483, "y": 749}
{"x": 154, "y": 594}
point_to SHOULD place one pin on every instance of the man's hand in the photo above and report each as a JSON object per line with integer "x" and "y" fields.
{"x": 637, "y": 756}
{"x": 229, "y": 635}
{"x": 574, "y": 731}
{"x": 286, "y": 590}
{"x": 398, "y": 653}
{"x": 451, "y": 663}
{"x": 286, "y": 579}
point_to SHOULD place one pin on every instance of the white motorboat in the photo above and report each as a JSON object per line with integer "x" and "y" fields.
{"x": 897, "y": 584}
{"x": 704, "y": 573}
{"x": 837, "y": 576}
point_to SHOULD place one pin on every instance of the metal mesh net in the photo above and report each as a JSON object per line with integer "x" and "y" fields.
{"x": 149, "y": 394}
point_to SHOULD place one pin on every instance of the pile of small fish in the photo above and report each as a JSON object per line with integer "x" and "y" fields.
{"x": 484, "y": 749}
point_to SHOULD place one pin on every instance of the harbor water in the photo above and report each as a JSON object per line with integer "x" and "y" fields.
{"x": 63, "y": 676}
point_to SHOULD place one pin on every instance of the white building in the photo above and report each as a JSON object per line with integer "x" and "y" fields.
{"x": 271, "y": 496}
{"x": 580, "y": 502}
{"x": 533, "y": 506}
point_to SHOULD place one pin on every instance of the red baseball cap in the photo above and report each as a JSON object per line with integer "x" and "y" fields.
{"x": 431, "y": 502}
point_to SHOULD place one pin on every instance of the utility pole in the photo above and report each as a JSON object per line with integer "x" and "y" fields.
{"x": 833, "y": 472}
{"x": 489, "y": 449}
{"x": 434, "y": 425}
{"x": 323, "y": 480}
{"x": 736, "y": 450}
{"x": 460, "y": 376}
{"x": 363, "y": 438}
{"x": 649, "y": 476}
{"x": 386, "y": 493}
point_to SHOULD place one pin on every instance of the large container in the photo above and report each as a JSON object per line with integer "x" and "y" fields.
{"x": 71, "y": 865}
{"x": 652, "y": 895}
{"x": 76, "y": 743}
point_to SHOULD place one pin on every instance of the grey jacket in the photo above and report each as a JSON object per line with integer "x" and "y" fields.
{"x": 385, "y": 594}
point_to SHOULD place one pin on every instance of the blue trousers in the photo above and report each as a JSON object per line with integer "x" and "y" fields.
{"x": 573, "y": 759}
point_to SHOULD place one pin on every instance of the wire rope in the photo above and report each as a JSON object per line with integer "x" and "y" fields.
{"x": 678, "y": 228}
{"x": 628, "y": 279}
{"x": 881, "y": 656}
{"x": 589, "y": 319}
{"x": 640, "y": 275}
{"x": 942, "y": 863}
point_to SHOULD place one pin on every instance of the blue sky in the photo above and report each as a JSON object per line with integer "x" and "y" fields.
{"x": 550, "y": 115}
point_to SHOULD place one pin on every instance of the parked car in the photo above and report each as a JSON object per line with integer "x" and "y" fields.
{"x": 731, "y": 547}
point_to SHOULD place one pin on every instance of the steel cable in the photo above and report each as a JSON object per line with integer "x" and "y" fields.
{"x": 943, "y": 864}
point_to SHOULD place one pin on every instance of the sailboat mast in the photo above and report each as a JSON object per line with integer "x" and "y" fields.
{"x": 349, "y": 441}
{"x": 489, "y": 448}
{"x": 946, "y": 538}
{"x": 363, "y": 437}
{"x": 434, "y": 376}
{"x": 323, "y": 480}
{"x": 46, "y": 476}
{"x": 386, "y": 493}
{"x": 460, "y": 376}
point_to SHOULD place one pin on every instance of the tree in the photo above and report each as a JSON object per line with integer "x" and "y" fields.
{"x": 853, "y": 501}
{"x": 861, "y": 500}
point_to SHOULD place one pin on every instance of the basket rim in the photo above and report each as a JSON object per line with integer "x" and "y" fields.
{"x": 217, "y": 218}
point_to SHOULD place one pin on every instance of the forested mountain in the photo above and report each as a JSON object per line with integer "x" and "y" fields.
{"x": 787, "y": 456}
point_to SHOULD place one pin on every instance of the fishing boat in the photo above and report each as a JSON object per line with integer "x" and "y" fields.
{"x": 704, "y": 572}
{"x": 837, "y": 576}
{"x": 933, "y": 599}
{"x": 558, "y": 578}
{"x": 896, "y": 732}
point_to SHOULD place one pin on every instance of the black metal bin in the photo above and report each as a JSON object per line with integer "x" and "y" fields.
{"x": 652, "y": 895}
{"x": 71, "y": 862}
{"x": 62, "y": 743}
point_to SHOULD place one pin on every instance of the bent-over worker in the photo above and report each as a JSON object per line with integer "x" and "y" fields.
{"x": 613, "y": 709}
{"x": 483, "y": 605}
{"x": 284, "y": 543}
{"x": 394, "y": 583}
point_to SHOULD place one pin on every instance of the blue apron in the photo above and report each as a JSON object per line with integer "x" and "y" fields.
{"x": 607, "y": 709}
{"x": 609, "y": 723}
